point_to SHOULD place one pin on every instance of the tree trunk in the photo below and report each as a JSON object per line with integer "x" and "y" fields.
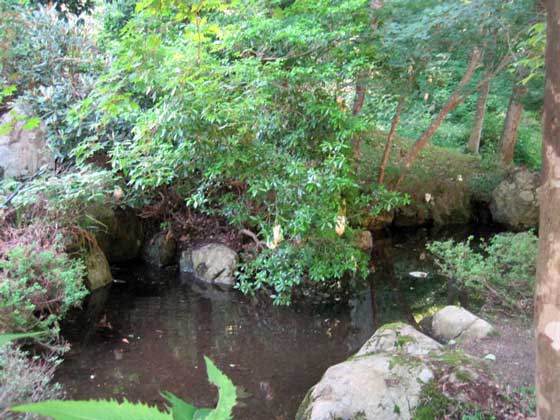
{"x": 387, "y": 151}
{"x": 547, "y": 295}
{"x": 454, "y": 100}
{"x": 476, "y": 133}
{"x": 511, "y": 124}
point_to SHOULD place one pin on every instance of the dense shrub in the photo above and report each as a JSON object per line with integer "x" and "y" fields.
{"x": 502, "y": 271}
{"x": 52, "y": 62}
{"x": 25, "y": 379}
{"x": 38, "y": 281}
{"x": 63, "y": 198}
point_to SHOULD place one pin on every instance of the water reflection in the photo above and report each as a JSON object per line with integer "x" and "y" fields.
{"x": 151, "y": 332}
{"x": 156, "y": 329}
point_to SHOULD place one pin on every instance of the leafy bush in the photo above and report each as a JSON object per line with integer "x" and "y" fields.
{"x": 38, "y": 281}
{"x": 502, "y": 272}
{"x": 25, "y": 379}
{"x": 52, "y": 62}
{"x": 113, "y": 410}
{"x": 318, "y": 269}
{"x": 63, "y": 198}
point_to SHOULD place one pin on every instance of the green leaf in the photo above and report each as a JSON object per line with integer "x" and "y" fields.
{"x": 32, "y": 123}
{"x": 226, "y": 390}
{"x": 202, "y": 413}
{"x": 179, "y": 408}
{"x": 93, "y": 410}
{"x": 6, "y": 128}
{"x": 6, "y": 338}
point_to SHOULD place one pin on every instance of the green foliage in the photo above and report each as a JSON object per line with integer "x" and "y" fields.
{"x": 113, "y": 410}
{"x": 6, "y": 338}
{"x": 68, "y": 7}
{"x": 241, "y": 109}
{"x": 502, "y": 272}
{"x": 309, "y": 265}
{"x": 38, "y": 283}
{"x": 65, "y": 197}
{"x": 94, "y": 409}
{"x": 51, "y": 62}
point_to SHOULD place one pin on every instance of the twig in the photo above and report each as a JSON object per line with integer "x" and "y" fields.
{"x": 20, "y": 187}
{"x": 253, "y": 236}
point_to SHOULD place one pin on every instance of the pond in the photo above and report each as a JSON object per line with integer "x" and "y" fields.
{"x": 150, "y": 331}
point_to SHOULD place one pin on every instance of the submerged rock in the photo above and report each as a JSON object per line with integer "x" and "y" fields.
{"x": 515, "y": 200}
{"x": 98, "y": 270}
{"x": 118, "y": 232}
{"x": 384, "y": 380}
{"x": 212, "y": 263}
{"x": 22, "y": 152}
{"x": 160, "y": 250}
{"x": 456, "y": 323}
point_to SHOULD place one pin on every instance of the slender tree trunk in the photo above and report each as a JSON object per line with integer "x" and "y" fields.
{"x": 476, "y": 133}
{"x": 454, "y": 100}
{"x": 511, "y": 124}
{"x": 547, "y": 295}
{"x": 389, "y": 144}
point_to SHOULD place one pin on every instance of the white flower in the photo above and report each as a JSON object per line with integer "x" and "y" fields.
{"x": 460, "y": 178}
{"x": 277, "y": 234}
{"x": 340, "y": 225}
{"x": 428, "y": 197}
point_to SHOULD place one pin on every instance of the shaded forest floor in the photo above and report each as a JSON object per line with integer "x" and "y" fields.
{"x": 514, "y": 366}
{"x": 442, "y": 183}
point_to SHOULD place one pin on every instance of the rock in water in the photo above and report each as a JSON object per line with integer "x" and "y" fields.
{"x": 22, "y": 152}
{"x": 384, "y": 380}
{"x": 455, "y": 323}
{"x": 160, "y": 250}
{"x": 118, "y": 232}
{"x": 212, "y": 263}
{"x": 515, "y": 201}
{"x": 98, "y": 270}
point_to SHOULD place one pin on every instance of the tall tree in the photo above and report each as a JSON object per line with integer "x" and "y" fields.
{"x": 476, "y": 132}
{"x": 511, "y": 124}
{"x": 547, "y": 296}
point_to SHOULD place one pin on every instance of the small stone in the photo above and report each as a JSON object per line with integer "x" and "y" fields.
{"x": 456, "y": 323}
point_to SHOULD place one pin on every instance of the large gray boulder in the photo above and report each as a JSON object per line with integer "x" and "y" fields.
{"x": 212, "y": 263}
{"x": 456, "y": 323}
{"x": 22, "y": 152}
{"x": 384, "y": 380}
{"x": 515, "y": 200}
{"x": 118, "y": 232}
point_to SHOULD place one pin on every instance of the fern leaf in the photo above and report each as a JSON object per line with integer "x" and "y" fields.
{"x": 226, "y": 391}
{"x": 180, "y": 410}
{"x": 202, "y": 413}
{"x": 93, "y": 410}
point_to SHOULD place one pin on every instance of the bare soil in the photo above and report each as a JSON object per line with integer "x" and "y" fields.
{"x": 514, "y": 366}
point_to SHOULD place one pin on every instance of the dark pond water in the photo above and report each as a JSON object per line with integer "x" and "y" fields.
{"x": 150, "y": 334}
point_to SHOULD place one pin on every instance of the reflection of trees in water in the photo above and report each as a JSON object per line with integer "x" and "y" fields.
{"x": 276, "y": 353}
{"x": 382, "y": 252}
